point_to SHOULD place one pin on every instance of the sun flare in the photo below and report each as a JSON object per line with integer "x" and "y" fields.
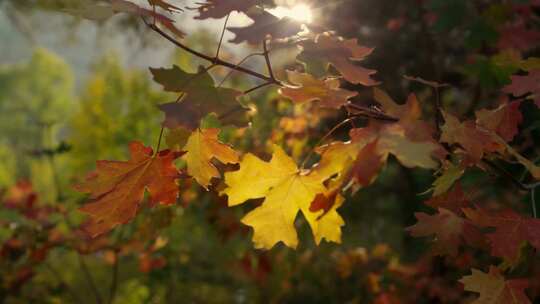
{"x": 299, "y": 12}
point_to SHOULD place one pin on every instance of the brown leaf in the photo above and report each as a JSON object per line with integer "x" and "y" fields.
{"x": 449, "y": 230}
{"x": 475, "y": 141}
{"x": 341, "y": 54}
{"x": 504, "y": 120}
{"x": 494, "y": 289}
{"x": 453, "y": 200}
{"x": 200, "y": 97}
{"x": 522, "y": 85}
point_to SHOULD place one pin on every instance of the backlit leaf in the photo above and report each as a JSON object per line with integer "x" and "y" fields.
{"x": 203, "y": 146}
{"x": 287, "y": 190}
{"x": 117, "y": 187}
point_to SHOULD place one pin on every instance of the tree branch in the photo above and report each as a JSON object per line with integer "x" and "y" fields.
{"x": 89, "y": 279}
{"x": 215, "y": 61}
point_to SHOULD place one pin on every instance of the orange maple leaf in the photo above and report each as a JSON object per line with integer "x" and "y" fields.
{"x": 494, "y": 289}
{"x": 117, "y": 187}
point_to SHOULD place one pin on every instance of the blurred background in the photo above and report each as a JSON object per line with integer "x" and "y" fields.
{"x": 73, "y": 91}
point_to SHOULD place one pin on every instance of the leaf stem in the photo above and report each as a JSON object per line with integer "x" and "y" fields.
{"x": 339, "y": 125}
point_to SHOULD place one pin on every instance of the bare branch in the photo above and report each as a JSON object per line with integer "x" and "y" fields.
{"x": 216, "y": 61}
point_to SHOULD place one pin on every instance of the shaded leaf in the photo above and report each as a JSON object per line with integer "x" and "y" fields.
{"x": 504, "y": 120}
{"x": 264, "y": 25}
{"x": 341, "y": 54}
{"x": 453, "y": 200}
{"x": 449, "y": 230}
{"x": 200, "y": 97}
{"x": 511, "y": 231}
{"x": 475, "y": 141}
{"x": 522, "y": 85}
{"x": 494, "y": 288}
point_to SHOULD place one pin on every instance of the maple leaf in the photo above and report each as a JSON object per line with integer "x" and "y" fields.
{"x": 450, "y": 230}
{"x": 522, "y": 85}
{"x": 286, "y": 191}
{"x": 307, "y": 88}
{"x": 494, "y": 288}
{"x": 453, "y": 200}
{"x": 391, "y": 139}
{"x": 475, "y": 141}
{"x": 368, "y": 164}
{"x": 511, "y": 231}
{"x": 264, "y": 25}
{"x": 164, "y": 5}
{"x": 220, "y": 8}
{"x": 503, "y": 120}
{"x": 117, "y": 187}
{"x": 341, "y": 54}
{"x": 200, "y": 98}
{"x": 409, "y": 140}
{"x": 201, "y": 147}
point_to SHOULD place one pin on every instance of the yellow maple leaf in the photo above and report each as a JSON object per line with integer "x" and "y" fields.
{"x": 201, "y": 147}
{"x": 287, "y": 190}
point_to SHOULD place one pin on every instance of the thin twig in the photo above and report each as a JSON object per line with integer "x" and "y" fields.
{"x": 267, "y": 59}
{"x": 504, "y": 173}
{"x": 358, "y": 110}
{"x": 339, "y": 125}
{"x": 222, "y": 35}
{"x": 257, "y": 87}
{"x": 89, "y": 279}
{"x": 238, "y": 64}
